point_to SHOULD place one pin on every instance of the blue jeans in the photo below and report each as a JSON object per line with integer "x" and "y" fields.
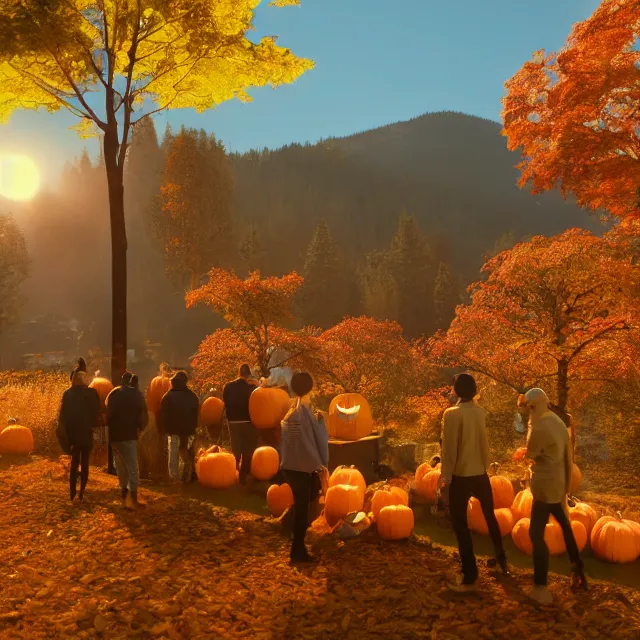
{"x": 126, "y": 455}
{"x": 176, "y": 451}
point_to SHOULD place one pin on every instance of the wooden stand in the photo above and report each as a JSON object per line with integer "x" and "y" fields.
{"x": 363, "y": 453}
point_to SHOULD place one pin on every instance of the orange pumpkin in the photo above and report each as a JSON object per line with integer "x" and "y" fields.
{"x": 211, "y": 411}
{"x": 478, "y": 524}
{"x": 103, "y": 387}
{"x": 580, "y": 534}
{"x": 552, "y": 536}
{"x": 217, "y": 470}
{"x": 502, "y": 490}
{"x": 427, "y": 485}
{"x": 584, "y": 513}
{"x": 265, "y": 463}
{"x": 388, "y": 496}
{"x": 279, "y": 499}
{"x": 522, "y": 505}
{"x": 340, "y": 500}
{"x": 616, "y": 540}
{"x": 156, "y": 391}
{"x": 16, "y": 440}
{"x": 348, "y": 475}
{"x": 576, "y": 478}
{"x": 395, "y": 522}
{"x": 425, "y": 468}
{"x": 268, "y": 407}
{"x": 349, "y": 417}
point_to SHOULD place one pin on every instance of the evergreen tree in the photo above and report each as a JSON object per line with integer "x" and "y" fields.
{"x": 251, "y": 251}
{"x": 379, "y": 289}
{"x": 323, "y": 294}
{"x": 445, "y": 297}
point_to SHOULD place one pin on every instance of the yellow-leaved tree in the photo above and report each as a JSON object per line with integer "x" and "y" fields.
{"x": 114, "y": 62}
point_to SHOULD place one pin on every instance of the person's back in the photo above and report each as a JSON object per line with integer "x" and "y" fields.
{"x": 236, "y": 396}
{"x": 79, "y": 414}
{"x": 305, "y": 443}
{"x": 465, "y": 451}
{"x": 126, "y": 413}
{"x": 179, "y": 409}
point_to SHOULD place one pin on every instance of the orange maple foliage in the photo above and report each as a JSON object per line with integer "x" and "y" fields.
{"x": 371, "y": 357}
{"x": 553, "y": 310}
{"x": 575, "y": 114}
{"x": 255, "y": 308}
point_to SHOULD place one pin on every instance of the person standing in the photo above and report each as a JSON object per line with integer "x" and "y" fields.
{"x": 465, "y": 460}
{"x": 244, "y": 436}
{"x": 126, "y": 416}
{"x": 549, "y": 447}
{"x": 178, "y": 419}
{"x": 81, "y": 366}
{"x": 304, "y": 451}
{"x": 79, "y": 413}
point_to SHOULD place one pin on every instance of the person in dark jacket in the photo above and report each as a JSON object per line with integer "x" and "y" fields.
{"x": 178, "y": 419}
{"x": 81, "y": 365}
{"x": 126, "y": 416}
{"x": 244, "y": 436}
{"x": 79, "y": 411}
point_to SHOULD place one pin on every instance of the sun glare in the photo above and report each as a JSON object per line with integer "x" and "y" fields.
{"x": 19, "y": 177}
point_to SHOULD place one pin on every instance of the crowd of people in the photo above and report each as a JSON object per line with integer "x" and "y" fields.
{"x": 304, "y": 456}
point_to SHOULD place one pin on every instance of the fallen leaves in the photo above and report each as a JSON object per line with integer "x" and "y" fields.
{"x": 186, "y": 569}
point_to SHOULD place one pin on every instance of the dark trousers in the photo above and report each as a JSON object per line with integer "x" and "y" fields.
{"x": 79, "y": 457}
{"x": 302, "y": 485}
{"x": 460, "y": 492}
{"x": 244, "y": 440}
{"x": 540, "y": 513}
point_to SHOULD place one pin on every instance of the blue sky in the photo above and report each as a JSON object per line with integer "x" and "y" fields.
{"x": 377, "y": 62}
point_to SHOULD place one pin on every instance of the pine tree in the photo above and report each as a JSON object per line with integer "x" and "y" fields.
{"x": 379, "y": 288}
{"x": 323, "y": 293}
{"x": 445, "y": 297}
{"x": 251, "y": 251}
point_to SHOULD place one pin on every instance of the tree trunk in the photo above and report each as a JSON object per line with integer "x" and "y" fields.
{"x": 562, "y": 385}
{"x": 118, "y": 256}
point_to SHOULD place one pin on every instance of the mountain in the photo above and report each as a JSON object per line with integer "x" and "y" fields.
{"x": 452, "y": 171}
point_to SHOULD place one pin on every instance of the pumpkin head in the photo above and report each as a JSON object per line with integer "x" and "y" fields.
{"x": 268, "y": 407}
{"x": 522, "y": 505}
{"x": 16, "y": 440}
{"x": 616, "y": 540}
{"x": 478, "y": 524}
{"x": 156, "y": 391}
{"x": 576, "y": 478}
{"x": 340, "y": 500}
{"x": 265, "y": 463}
{"x": 395, "y": 522}
{"x": 217, "y": 470}
{"x": 388, "y": 496}
{"x": 427, "y": 484}
{"x": 349, "y": 417}
{"x": 348, "y": 475}
{"x": 502, "y": 490}
{"x": 103, "y": 387}
{"x": 279, "y": 499}
{"x": 552, "y": 536}
{"x": 211, "y": 411}
{"x": 584, "y": 513}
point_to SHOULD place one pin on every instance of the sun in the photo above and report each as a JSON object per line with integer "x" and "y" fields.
{"x": 19, "y": 177}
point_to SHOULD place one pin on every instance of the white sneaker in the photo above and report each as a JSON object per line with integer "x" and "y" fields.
{"x": 460, "y": 587}
{"x": 541, "y": 595}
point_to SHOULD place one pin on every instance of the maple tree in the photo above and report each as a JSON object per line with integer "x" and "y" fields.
{"x": 257, "y": 310}
{"x": 553, "y": 310}
{"x": 371, "y": 357}
{"x": 574, "y": 114}
{"x": 141, "y": 57}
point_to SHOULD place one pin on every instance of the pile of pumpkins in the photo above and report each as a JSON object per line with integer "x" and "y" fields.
{"x": 612, "y": 539}
{"x": 16, "y": 439}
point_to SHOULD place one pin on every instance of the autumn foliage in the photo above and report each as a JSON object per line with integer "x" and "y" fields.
{"x": 574, "y": 114}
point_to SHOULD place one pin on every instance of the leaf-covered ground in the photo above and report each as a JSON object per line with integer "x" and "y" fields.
{"x": 184, "y": 568}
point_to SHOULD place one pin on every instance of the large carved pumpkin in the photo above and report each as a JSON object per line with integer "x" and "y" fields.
{"x": 158, "y": 387}
{"x": 502, "y": 490}
{"x": 395, "y": 522}
{"x": 552, "y": 536}
{"x": 616, "y": 540}
{"x": 478, "y": 524}
{"x": 584, "y": 513}
{"x": 348, "y": 475}
{"x": 576, "y": 478}
{"x": 340, "y": 500}
{"x": 386, "y": 497}
{"x": 522, "y": 505}
{"x": 265, "y": 463}
{"x": 349, "y": 417}
{"x": 268, "y": 407}
{"x": 103, "y": 387}
{"x": 16, "y": 440}
{"x": 427, "y": 484}
{"x": 211, "y": 411}
{"x": 279, "y": 499}
{"x": 217, "y": 470}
